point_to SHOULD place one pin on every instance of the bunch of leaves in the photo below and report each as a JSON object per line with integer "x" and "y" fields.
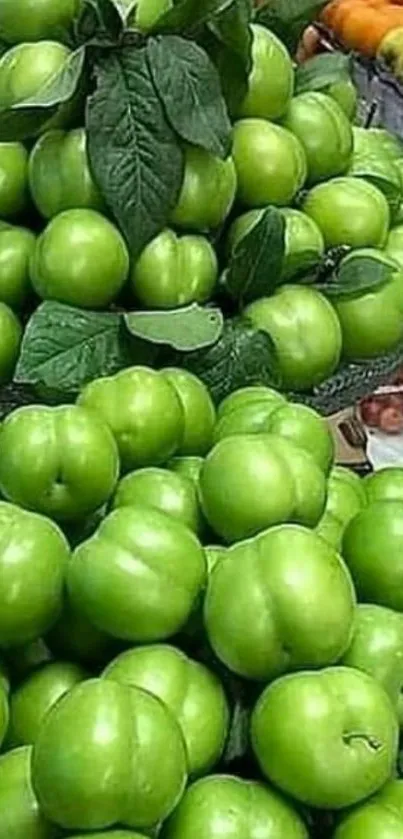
{"x": 64, "y": 348}
{"x": 147, "y": 96}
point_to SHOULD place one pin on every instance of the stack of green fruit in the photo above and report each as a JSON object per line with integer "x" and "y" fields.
{"x": 291, "y": 150}
{"x": 160, "y": 559}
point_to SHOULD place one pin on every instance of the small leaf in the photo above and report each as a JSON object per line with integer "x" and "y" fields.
{"x": 99, "y": 20}
{"x": 187, "y": 14}
{"x": 134, "y": 153}
{"x": 64, "y": 348}
{"x": 189, "y": 87}
{"x": 190, "y": 328}
{"x": 231, "y": 49}
{"x": 289, "y": 18}
{"x": 321, "y": 71}
{"x": 242, "y": 356}
{"x": 26, "y": 118}
{"x": 361, "y": 271}
{"x": 255, "y": 265}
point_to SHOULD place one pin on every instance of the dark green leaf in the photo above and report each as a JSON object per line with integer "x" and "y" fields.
{"x": 289, "y": 18}
{"x": 64, "y": 348}
{"x": 3, "y": 48}
{"x": 359, "y": 272}
{"x": 98, "y": 20}
{"x": 26, "y": 118}
{"x": 255, "y": 265}
{"x": 243, "y": 356}
{"x": 134, "y": 153}
{"x": 190, "y": 328}
{"x": 189, "y": 87}
{"x": 321, "y": 71}
{"x": 187, "y": 14}
{"x": 232, "y": 28}
{"x": 231, "y": 49}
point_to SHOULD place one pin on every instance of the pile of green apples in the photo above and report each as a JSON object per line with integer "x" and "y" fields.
{"x": 159, "y": 559}
{"x": 336, "y": 185}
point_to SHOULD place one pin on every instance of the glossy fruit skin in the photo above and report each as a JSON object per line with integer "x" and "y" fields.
{"x": 247, "y": 417}
{"x": 4, "y": 712}
{"x": 306, "y": 333}
{"x": 10, "y": 341}
{"x": 308, "y": 478}
{"x": 345, "y": 94}
{"x": 304, "y": 245}
{"x": 161, "y": 489}
{"x": 26, "y": 68}
{"x": 207, "y": 193}
{"x": 324, "y": 132}
{"x": 13, "y": 179}
{"x": 174, "y": 271}
{"x": 59, "y": 173}
{"x": 345, "y": 494}
{"x": 394, "y": 244}
{"x": 193, "y": 694}
{"x": 384, "y": 485}
{"x": 377, "y": 647}
{"x": 270, "y": 59}
{"x": 16, "y": 247}
{"x": 149, "y": 598}
{"x": 244, "y": 487}
{"x": 36, "y": 21}
{"x": 349, "y": 211}
{"x": 248, "y": 395}
{"x": 378, "y": 818}
{"x": 143, "y": 411}
{"x": 80, "y": 259}
{"x": 255, "y": 608}
{"x": 331, "y": 530}
{"x": 270, "y": 163}
{"x": 223, "y": 805}
{"x": 316, "y": 715}
{"x": 61, "y": 461}
{"x": 372, "y": 548}
{"x": 198, "y": 409}
{"x": 111, "y": 834}
{"x": 146, "y": 14}
{"x": 307, "y": 429}
{"x": 371, "y": 323}
{"x": 189, "y": 467}
{"x": 40, "y": 554}
{"x": 250, "y": 482}
{"x": 20, "y": 817}
{"x": 34, "y": 698}
{"x": 87, "y": 782}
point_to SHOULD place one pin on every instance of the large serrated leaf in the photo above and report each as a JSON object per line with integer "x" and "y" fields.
{"x": 243, "y": 356}
{"x": 289, "y": 18}
{"x": 361, "y": 271}
{"x": 321, "y": 71}
{"x": 134, "y": 153}
{"x": 25, "y": 119}
{"x": 65, "y": 348}
{"x": 187, "y": 329}
{"x": 255, "y": 265}
{"x": 189, "y": 14}
{"x": 189, "y": 87}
